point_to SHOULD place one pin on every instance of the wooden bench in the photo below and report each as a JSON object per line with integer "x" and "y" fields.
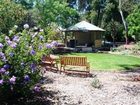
{"x": 50, "y": 63}
{"x": 74, "y": 61}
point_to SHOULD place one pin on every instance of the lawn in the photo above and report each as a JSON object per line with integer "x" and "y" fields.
{"x": 110, "y": 62}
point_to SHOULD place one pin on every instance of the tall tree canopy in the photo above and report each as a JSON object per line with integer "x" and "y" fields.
{"x": 134, "y": 23}
{"x": 56, "y": 11}
{"x": 10, "y": 15}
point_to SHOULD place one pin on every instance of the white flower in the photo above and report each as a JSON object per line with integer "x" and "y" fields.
{"x": 10, "y": 32}
{"x": 35, "y": 28}
{"x": 15, "y": 26}
{"x": 41, "y": 30}
{"x": 26, "y": 26}
{"x": 34, "y": 34}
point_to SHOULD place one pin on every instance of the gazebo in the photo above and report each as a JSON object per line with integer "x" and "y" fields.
{"x": 84, "y": 34}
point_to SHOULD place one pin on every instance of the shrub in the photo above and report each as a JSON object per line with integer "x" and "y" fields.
{"x": 20, "y": 55}
{"x": 136, "y": 49}
{"x": 96, "y": 83}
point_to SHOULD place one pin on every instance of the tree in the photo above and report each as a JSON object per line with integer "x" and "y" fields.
{"x": 124, "y": 21}
{"x": 134, "y": 23}
{"x": 10, "y": 14}
{"x": 56, "y": 11}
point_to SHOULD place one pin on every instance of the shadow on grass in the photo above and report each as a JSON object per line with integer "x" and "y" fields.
{"x": 130, "y": 68}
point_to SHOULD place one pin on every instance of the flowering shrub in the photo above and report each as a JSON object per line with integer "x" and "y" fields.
{"x": 20, "y": 55}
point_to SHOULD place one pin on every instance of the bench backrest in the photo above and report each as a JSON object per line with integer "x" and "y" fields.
{"x": 75, "y": 61}
{"x": 47, "y": 58}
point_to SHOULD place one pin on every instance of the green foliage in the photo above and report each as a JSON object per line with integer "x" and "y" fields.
{"x": 10, "y": 14}
{"x": 134, "y": 23}
{"x": 103, "y": 11}
{"x": 136, "y": 49}
{"x": 20, "y": 56}
{"x": 28, "y": 4}
{"x": 96, "y": 83}
{"x": 56, "y": 11}
{"x": 53, "y": 32}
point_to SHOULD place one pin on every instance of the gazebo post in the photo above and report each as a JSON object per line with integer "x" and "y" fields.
{"x": 65, "y": 39}
{"x": 75, "y": 40}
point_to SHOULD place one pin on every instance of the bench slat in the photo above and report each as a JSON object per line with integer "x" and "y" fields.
{"x": 75, "y": 61}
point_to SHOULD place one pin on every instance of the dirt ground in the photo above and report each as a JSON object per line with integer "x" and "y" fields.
{"x": 116, "y": 88}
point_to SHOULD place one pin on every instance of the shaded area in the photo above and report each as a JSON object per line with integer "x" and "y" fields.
{"x": 132, "y": 90}
{"x": 130, "y": 68}
{"x": 42, "y": 98}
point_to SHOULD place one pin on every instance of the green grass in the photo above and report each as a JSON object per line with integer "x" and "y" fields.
{"x": 110, "y": 62}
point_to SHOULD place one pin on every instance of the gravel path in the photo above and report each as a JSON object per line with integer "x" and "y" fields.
{"x": 117, "y": 89}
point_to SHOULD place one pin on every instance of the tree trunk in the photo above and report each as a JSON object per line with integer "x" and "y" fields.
{"x": 124, "y": 22}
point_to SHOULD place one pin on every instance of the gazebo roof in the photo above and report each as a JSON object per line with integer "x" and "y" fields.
{"x": 84, "y": 26}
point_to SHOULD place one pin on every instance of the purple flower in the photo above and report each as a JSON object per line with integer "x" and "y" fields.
{"x": 41, "y": 37}
{"x": 12, "y": 80}
{"x": 1, "y": 82}
{"x": 2, "y": 70}
{"x": 4, "y": 59}
{"x": 2, "y": 55}
{"x": 54, "y": 43}
{"x": 48, "y": 46}
{"x": 6, "y": 66}
{"x": 26, "y": 78}
{"x": 32, "y": 52}
{"x": 40, "y": 47}
{"x": 13, "y": 45}
{"x": 1, "y": 45}
{"x": 16, "y": 39}
{"x": 7, "y": 73}
{"x": 33, "y": 67}
{"x": 37, "y": 89}
{"x": 9, "y": 42}
{"x": 11, "y": 54}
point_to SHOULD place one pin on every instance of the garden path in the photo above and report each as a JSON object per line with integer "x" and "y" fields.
{"x": 117, "y": 89}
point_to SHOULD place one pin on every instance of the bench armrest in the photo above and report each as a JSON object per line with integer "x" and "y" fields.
{"x": 88, "y": 66}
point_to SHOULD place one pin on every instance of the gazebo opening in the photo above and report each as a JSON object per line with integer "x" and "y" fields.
{"x": 84, "y": 35}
